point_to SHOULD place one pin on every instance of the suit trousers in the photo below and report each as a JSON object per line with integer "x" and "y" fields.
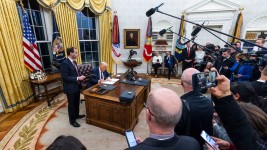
{"x": 73, "y": 106}
{"x": 186, "y": 65}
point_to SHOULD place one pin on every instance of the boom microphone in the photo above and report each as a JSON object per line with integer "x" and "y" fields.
{"x": 163, "y": 31}
{"x": 196, "y": 30}
{"x": 153, "y": 10}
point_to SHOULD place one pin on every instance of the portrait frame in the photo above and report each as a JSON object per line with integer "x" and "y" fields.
{"x": 131, "y": 38}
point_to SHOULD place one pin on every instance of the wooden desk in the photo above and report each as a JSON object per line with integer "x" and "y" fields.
{"x": 107, "y": 112}
{"x": 49, "y": 79}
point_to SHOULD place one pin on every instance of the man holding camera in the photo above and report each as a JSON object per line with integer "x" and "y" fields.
{"x": 197, "y": 114}
{"x": 162, "y": 115}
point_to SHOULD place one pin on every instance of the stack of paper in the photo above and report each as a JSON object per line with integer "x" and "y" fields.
{"x": 112, "y": 81}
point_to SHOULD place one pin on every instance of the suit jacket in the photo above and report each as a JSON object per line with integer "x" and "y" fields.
{"x": 69, "y": 77}
{"x": 220, "y": 62}
{"x": 198, "y": 118}
{"x": 172, "y": 60}
{"x": 240, "y": 131}
{"x": 94, "y": 77}
{"x": 174, "y": 143}
{"x": 191, "y": 56}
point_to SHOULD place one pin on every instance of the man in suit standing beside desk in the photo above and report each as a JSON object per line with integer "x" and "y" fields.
{"x": 98, "y": 75}
{"x": 71, "y": 85}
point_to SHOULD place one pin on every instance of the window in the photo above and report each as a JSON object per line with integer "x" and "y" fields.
{"x": 88, "y": 37}
{"x": 37, "y": 22}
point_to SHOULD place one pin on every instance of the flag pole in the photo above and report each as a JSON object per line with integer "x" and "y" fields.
{"x": 147, "y": 68}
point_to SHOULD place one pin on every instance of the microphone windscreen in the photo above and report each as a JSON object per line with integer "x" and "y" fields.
{"x": 196, "y": 30}
{"x": 150, "y": 12}
{"x": 163, "y": 31}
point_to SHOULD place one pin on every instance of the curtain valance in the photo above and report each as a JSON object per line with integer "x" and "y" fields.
{"x": 96, "y": 6}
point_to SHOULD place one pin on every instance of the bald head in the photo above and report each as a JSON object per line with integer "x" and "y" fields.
{"x": 186, "y": 78}
{"x": 166, "y": 105}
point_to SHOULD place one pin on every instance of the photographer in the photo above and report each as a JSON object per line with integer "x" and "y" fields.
{"x": 198, "y": 112}
{"x": 156, "y": 63}
{"x": 234, "y": 120}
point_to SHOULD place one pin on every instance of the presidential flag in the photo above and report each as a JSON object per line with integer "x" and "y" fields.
{"x": 179, "y": 47}
{"x": 116, "y": 50}
{"x": 57, "y": 47}
{"x": 147, "y": 54}
{"x": 32, "y": 58}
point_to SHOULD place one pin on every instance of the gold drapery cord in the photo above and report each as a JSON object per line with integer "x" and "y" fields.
{"x": 105, "y": 25}
{"x": 96, "y": 6}
{"x": 15, "y": 93}
{"x": 68, "y": 28}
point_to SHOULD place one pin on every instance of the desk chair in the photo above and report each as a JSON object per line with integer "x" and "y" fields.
{"x": 84, "y": 69}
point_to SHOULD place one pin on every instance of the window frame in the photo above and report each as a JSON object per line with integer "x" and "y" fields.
{"x": 84, "y": 51}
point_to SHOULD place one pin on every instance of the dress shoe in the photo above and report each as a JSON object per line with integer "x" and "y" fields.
{"x": 75, "y": 124}
{"x": 80, "y": 116}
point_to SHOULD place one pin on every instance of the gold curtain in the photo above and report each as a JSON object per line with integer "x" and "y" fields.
{"x": 14, "y": 92}
{"x": 96, "y": 6}
{"x": 68, "y": 28}
{"x": 105, "y": 24}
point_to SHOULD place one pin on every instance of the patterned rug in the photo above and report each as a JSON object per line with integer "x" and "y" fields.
{"x": 39, "y": 128}
{"x": 24, "y": 135}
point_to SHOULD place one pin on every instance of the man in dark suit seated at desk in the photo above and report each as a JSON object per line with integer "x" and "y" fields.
{"x": 98, "y": 75}
{"x": 162, "y": 114}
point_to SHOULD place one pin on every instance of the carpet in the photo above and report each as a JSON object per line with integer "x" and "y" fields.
{"x": 38, "y": 129}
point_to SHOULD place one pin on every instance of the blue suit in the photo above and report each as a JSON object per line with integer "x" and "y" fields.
{"x": 71, "y": 88}
{"x": 95, "y": 76}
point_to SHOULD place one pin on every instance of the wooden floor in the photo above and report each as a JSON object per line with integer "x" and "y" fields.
{"x": 9, "y": 120}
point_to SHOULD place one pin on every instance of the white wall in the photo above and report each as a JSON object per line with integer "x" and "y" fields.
{"x": 131, "y": 15}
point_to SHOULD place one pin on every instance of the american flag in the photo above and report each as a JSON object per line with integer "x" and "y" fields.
{"x": 32, "y": 58}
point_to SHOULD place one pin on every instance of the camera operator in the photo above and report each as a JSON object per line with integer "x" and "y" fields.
{"x": 256, "y": 71}
{"x": 225, "y": 60}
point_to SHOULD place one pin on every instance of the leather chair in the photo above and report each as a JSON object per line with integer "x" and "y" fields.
{"x": 85, "y": 69}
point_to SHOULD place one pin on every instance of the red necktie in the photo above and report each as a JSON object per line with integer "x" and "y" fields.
{"x": 75, "y": 66}
{"x": 188, "y": 52}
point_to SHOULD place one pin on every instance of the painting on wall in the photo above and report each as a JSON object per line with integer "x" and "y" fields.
{"x": 131, "y": 38}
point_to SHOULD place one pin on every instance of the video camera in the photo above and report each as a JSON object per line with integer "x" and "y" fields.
{"x": 259, "y": 58}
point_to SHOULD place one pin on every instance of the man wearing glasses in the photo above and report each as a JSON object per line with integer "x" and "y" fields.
{"x": 162, "y": 114}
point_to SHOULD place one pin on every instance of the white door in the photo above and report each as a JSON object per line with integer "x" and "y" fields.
{"x": 204, "y": 36}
